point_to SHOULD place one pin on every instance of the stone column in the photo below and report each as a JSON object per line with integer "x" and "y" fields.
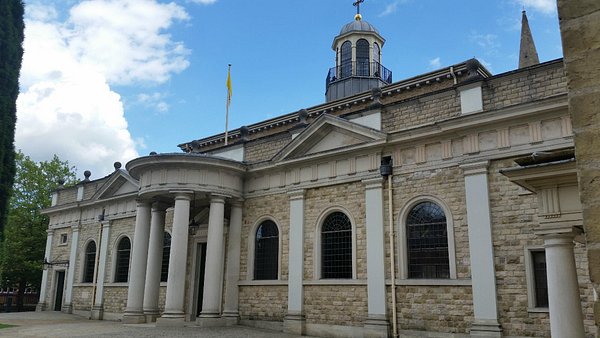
{"x": 294, "y": 321}
{"x": 98, "y": 308}
{"x": 376, "y": 324}
{"x": 134, "y": 313}
{"x": 481, "y": 250}
{"x": 566, "y": 319}
{"x": 174, "y": 313}
{"x": 41, "y": 306}
{"x": 230, "y": 312}
{"x": 211, "y": 302}
{"x": 68, "y": 304}
{"x": 154, "y": 262}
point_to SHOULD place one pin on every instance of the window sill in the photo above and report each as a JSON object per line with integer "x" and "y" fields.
{"x": 336, "y": 282}
{"x": 115, "y": 284}
{"x": 262, "y": 282}
{"x": 538, "y": 310}
{"x": 431, "y": 282}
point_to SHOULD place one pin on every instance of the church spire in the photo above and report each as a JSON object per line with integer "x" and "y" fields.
{"x": 528, "y": 55}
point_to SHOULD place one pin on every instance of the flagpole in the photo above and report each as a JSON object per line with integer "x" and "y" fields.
{"x": 228, "y": 102}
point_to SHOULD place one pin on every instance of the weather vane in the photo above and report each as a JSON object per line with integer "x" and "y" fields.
{"x": 357, "y": 5}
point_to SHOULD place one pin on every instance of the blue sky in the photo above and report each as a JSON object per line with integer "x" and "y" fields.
{"x": 108, "y": 80}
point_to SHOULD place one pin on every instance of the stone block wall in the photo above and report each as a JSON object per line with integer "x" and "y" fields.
{"x": 335, "y": 304}
{"x": 521, "y": 86}
{"x": 82, "y": 298}
{"x": 115, "y": 298}
{"x": 445, "y": 309}
{"x": 265, "y": 148}
{"x": 267, "y": 302}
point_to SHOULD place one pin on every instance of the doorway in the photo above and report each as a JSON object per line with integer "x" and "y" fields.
{"x": 60, "y": 285}
{"x": 200, "y": 266}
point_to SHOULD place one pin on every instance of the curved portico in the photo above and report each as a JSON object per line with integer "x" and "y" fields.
{"x": 180, "y": 181}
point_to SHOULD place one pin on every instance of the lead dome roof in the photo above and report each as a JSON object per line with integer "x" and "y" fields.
{"x": 358, "y": 25}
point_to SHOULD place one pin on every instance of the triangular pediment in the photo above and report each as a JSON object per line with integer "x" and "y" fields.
{"x": 120, "y": 183}
{"x": 328, "y": 134}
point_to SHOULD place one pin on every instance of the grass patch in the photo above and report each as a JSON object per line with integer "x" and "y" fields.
{"x": 5, "y": 326}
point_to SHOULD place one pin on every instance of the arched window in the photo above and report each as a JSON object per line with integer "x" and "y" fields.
{"x": 266, "y": 251}
{"x": 376, "y": 52}
{"x": 427, "y": 242}
{"x": 122, "y": 263}
{"x": 346, "y": 60}
{"x": 362, "y": 57}
{"x": 89, "y": 262}
{"x": 164, "y": 272}
{"x": 336, "y": 246}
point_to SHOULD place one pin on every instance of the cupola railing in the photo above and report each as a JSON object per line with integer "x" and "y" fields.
{"x": 359, "y": 69}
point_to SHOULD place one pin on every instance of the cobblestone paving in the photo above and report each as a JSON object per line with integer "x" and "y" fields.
{"x": 56, "y": 324}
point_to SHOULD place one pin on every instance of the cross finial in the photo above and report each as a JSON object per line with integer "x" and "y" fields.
{"x": 357, "y": 5}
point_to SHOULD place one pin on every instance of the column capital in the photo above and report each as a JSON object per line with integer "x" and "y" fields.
{"x": 475, "y": 168}
{"x": 75, "y": 227}
{"x": 142, "y": 203}
{"x": 50, "y": 232}
{"x": 237, "y": 202}
{"x": 182, "y": 195}
{"x": 105, "y": 224}
{"x": 373, "y": 183}
{"x": 216, "y": 198}
{"x": 160, "y": 206}
{"x": 296, "y": 194}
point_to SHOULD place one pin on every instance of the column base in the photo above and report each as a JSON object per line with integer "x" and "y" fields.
{"x": 294, "y": 323}
{"x": 171, "y": 319}
{"x": 40, "y": 307}
{"x": 97, "y": 312}
{"x": 231, "y": 318}
{"x": 151, "y": 315}
{"x": 67, "y": 308}
{"x": 486, "y": 328}
{"x": 376, "y": 326}
{"x": 204, "y": 321}
{"x": 132, "y": 317}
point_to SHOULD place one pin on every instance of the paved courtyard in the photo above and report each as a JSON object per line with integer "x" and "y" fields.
{"x": 57, "y": 324}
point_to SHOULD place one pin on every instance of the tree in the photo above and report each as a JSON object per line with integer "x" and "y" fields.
{"x": 22, "y": 249}
{"x": 11, "y": 54}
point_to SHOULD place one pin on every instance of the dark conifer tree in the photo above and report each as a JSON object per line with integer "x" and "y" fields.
{"x": 11, "y": 54}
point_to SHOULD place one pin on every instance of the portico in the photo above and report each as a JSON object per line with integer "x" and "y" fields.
{"x": 181, "y": 181}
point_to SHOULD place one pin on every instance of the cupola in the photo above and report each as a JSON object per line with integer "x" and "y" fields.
{"x": 358, "y": 65}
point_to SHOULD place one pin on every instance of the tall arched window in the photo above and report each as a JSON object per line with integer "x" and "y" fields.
{"x": 376, "y": 60}
{"x": 122, "y": 263}
{"x": 336, "y": 246}
{"x": 346, "y": 60}
{"x": 266, "y": 251}
{"x": 164, "y": 270}
{"x": 362, "y": 57}
{"x": 427, "y": 242}
{"x": 89, "y": 262}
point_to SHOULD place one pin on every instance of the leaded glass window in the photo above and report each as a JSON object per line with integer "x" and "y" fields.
{"x": 362, "y": 57}
{"x": 122, "y": 263}
{"x": 427, "y": 242}
{"x": 540, "y": 278}
{"x": 164, "y": 270}
{"x": 266, "y": 251}
{"x": 89, "y": 262}
{"x": 336, "y": 246}
{"x": 346, "y": 60}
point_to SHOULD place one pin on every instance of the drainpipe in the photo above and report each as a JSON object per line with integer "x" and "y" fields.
{"x": 96, "y": 263}
{"x": 453, "y": 74}
{"x": 386, "y": 171}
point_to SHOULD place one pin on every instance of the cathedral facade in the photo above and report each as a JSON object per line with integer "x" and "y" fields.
{"x": 442, "y": 205}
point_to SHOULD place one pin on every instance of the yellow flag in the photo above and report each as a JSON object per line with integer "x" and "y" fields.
{"x": 229, "y": 92}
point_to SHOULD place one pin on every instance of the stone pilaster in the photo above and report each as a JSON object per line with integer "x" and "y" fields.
{"x": 154, "y": 262}
{"x": 294, "y": 321}
{"x": 231, "y": 310}
{"x": 376, "y": 324}
{"x": 98, "y": 307}
{"x": 481, "y": 250}
{"x": 41, "y": 306}
{"x": 211, "y": 302}
{"x": 134, "y": 313}
{"x": 68, "y": 304}
{"x": 174, "y": 313}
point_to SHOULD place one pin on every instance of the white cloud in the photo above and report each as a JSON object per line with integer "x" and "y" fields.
{"x": 155, "y": 101}
{"x": 392, "y": 7}
{"x": 544, "y": 6}
{"x": 488, "y": 42}
{"x": 204, "y": 2}
{"x": 435, "y": 63}
{"x": 66, "y": 105}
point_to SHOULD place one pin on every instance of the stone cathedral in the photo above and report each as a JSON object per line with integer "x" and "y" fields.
{"x": 443, "y": 205}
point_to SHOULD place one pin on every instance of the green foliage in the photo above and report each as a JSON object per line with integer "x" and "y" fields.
{"x": 22, "y": 249}
{"x": 11, "y": 54}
